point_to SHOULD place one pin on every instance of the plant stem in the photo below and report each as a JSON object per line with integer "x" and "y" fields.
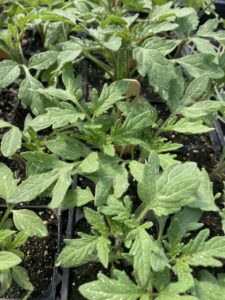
{"x": 100, "y": 64}
{"x": 21, "y": 53}
{"x": 81, "y": 108}
{"x": 143, "y": 213}
{"x": 6, "y": 215}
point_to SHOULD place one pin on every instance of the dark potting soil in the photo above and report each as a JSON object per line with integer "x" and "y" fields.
{"x": 39, "y": 258}
{"x": 8, "y": 103}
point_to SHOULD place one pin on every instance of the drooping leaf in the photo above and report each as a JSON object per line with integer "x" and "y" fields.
{"x": 11, "y": 142}
{"x": 202, "y": 252}
{"x": 147, "y": 186}
{"x": 208, "y": 287}
{"x": 78, "y": 251}
{"x": 160, "y": 44}
{"x": 103, "y": 249}
{"x": 9, "y": 72}
{"x": 43, "y": 60}
{"x": 33, "y": 187}
{"x": 90, "y": 164}
{"x": 5, "y": 281}
{"x": 177, "y": 291}
{"x": 186, "y": 125}
{"x": 7, "y": 182}
{"x": 20, "y": 276}
{"x": 67, "y": 147}
{"x": 77, "y": 198}
{"x": 29, "y": 222}
{"x": 59, "y": 191}
{"x": 204, "y": 197}
{"x": 29, "y": 97}
{"x": 200, "y": 64}
{"x": 201, "y": 109}
{"x": 195, "y": 89}
{"x": 8, "y": 260}
{"x": 119, "y": 287}
{"x": 182, "y": 223}
{"x": 159, "y": 69}
{"x": 144, "y": 251}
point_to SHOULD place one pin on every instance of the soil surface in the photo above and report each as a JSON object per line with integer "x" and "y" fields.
{"x": 8, "y": 103}
{"x": 39, "y": 258}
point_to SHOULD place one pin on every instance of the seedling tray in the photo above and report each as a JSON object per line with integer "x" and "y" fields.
{"x": 51, "y": 292}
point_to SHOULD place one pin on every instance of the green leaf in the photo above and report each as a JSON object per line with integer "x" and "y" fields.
{"x": 123, "y": 134}
{"x": 43, "y": 60}
{"x": 4, "y": 124}
{"x": 27, "y": 221}
{"x": 167, "y": 160}
{"x": 110, "y": 175}
{"x": 199, "y": 252}
{"x": 181, "y": 224}
{"x": 70, "y": 53}
{"x": 195, "y": 89}
{"x": 120, "y": 211}
{"x": 8, "y": 260}
{"x": 176, "y": 187}
{"x": 11, "y": 142}
{"x": 109, "y": 96}
{"x": 137, "y": 170}
{"x": 119, "y": 287}
{"x": 186, "y": 125}
{"x": 77, "y": 198}
{"x": 90, "y": 164}
{"x": 5, "y": 281}
{"x": 67, "y": 147}
{"x": 56, "y": 117}
{"x": 147, "y": 186}
{"x": 78, "y": 252}
{"x": 204, "y": 46}
{"x": 200, "y": 64}
{"x": 71, "y": 83}
{"x": 208, "y": 27}
{"x": 55, "y": 93}
{"x": 5, "y": 233}
{"x": 62, "y": 117}
{"x": 9, "y": 72}
{"x": 173, "y": 291}
{"x": 19, "y": 240}
{"x": 103, "y": 248}
{"x": 40, "y": 162}
{"x": 159, "y": 69}
{"x": 209, "y": 30}
{"x": 21, "y": 278}
{"x": 144, "y": 251}
{"x": 7, "y": 182}
{"x": 208, "y": 287}
{"x": 59, "y": 191}
{"x": 33, "y": 187}
{"x": 31, "y": 98}
{"x": 96, "y": 220}
{"x": 176, "y": 89}
{"x": 114, "y": 43}
{"x": 187, "y": 19}
{"x": 161, "y": 44}
{"x": 205, "y": 198}
{"x": 201, "y": 109}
